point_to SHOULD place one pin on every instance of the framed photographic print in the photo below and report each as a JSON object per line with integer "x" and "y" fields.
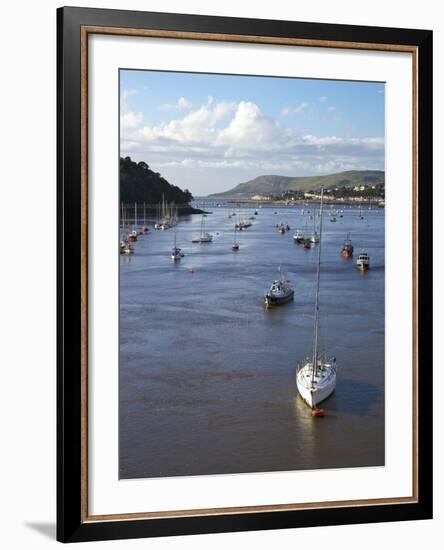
{"x": 244, "y": 274}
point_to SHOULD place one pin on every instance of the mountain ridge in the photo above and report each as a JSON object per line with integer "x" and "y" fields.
{"x": 276, "y": 185}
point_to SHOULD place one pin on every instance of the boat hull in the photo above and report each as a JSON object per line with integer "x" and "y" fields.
{"x": 271, "y": 300}
{"x": 324, "y": 387}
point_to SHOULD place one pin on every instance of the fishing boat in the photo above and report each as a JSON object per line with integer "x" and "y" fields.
{"x": 347, "y": 248}
{"x": 281, "y": 291}
{"x": 316, "y": 378}
{"x": 176, "y": 253}
{"x": 204, "y": 237}
{"x": 363, "y": 261}
{"x": 235, "y": 245}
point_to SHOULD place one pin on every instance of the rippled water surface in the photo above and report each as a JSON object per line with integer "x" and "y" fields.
{"x": 207, "y": 376}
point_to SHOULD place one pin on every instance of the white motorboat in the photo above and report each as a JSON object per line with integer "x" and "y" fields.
{"x": 299, "y": 237}
{"x": 363, "y": 261}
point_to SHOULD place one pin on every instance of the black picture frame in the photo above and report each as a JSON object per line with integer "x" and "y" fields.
{"x": 71, "y": 523}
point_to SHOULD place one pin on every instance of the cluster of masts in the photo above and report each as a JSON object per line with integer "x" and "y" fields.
{"x": 129, "y": 234}
{"x": 167, "y": 216}
{"x": 307, "y": 241}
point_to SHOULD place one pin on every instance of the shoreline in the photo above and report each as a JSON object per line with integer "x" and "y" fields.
{"x": 297, "y": 202}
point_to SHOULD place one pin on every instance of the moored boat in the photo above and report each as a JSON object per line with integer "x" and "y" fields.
{"x": 145, "y": 229}
{"x": 299, "y": 237}
{"x": 316, "y": 378}
{"x": 347, "y": 248}
{"x": 281, "y": 291}
{"x": 235, "y": 245}
{"x": 176, "y": 253}
{"x": 204, "y": 236}
{"x": 363, "y": 261}
{"x": 126, "y": 248}
{"x": 132, "y": 237}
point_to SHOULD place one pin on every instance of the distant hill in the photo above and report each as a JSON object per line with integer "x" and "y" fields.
{"x": 276, "y": 185}
{"x": 139, "y": 183}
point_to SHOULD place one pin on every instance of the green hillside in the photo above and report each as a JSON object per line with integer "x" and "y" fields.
{"x": 276, "y": 185}
{"x": 139, "y": 183}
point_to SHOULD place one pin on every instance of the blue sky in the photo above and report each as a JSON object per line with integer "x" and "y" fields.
{"x": 211, "y": 132}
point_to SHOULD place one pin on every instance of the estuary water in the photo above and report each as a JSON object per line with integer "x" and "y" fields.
{"x": 207, "y": 375}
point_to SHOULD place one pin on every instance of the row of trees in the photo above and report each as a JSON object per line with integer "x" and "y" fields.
{"x": 369, "y": 192}
{"x": 139, "y": 183}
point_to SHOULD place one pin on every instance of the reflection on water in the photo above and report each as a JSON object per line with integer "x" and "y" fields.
{"x": 207, "y": 375}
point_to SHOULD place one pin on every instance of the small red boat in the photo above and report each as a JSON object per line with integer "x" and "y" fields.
{"x": 132, "y": 237}
{"x": 347, "y": 249}
{"x": 317, "y": 412}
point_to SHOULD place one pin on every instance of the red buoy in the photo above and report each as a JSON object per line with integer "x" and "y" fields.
{"x": 317, "y": 412}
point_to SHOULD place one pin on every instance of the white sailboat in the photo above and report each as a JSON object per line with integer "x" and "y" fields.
{"x": 204, "y": 237}
{"x": 314, "y": 237}
{"x": 316, "y": 378}
{"x": 235, "y": 245}
{"x": 176, "y": 253}
{"x": 145, "y": 229}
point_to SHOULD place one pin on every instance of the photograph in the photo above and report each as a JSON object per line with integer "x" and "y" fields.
{"x": 252, "y": 274}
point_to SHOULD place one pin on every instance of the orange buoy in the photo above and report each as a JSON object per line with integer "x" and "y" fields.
{"x": 317, "y": 412}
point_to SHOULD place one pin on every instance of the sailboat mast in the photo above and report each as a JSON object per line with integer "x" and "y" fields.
{"x": 316, "y": 323}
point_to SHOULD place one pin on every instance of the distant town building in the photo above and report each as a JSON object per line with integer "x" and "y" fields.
{"x": 260, "y": 198}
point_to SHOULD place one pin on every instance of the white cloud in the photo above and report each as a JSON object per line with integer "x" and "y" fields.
{"x": 227, "y": 135}
{"x": 124, "y": 98}
{"x": 130, "y": 120}
{"x": 323, "y": 99}
{"x": 294, "y": 110}
{"x": 181, "y": 104}
{"x": 250, "y": 129}
{"x": 331, "y": 108}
